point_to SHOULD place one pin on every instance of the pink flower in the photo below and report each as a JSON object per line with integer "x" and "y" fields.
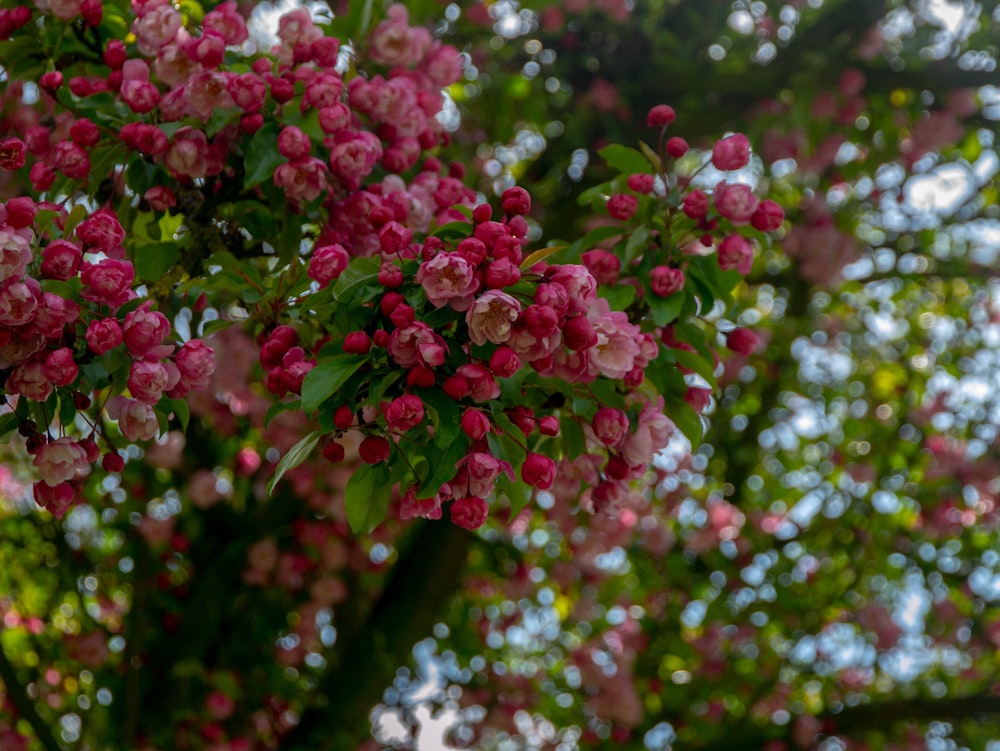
{"x": 226, "y": 21}
{"x": 617, "y": 347}
{"x": 15, "y": 253}
{"x": 427, "y": 508}
{"x": 156, "y": 28}
{"x": 652, "y": 433}
{"x": 394, "y": 43}
{"x": 18, "y": 302}
{"x": 603, "y": 265}
{"x": 328, "y": 263}
{"x": 60, "y": 367}
{"x": 664, "y": 280}
{"x": 60, "y": 461}
{"x": 302, "y": 180}
{"x": 160, "y": 198}
{"x": 580, "y": 285}
{"x": 470, "y": 512}
{"x": 103, "y": 335}
{"x": 101, "y": 232}
{"x": 404, "y": 412}
{"x": 323, "y": 90}
{"x": 610, "y": 426}
{"x": 731, "y": 153}
{"x": 12, "y": 154}
{"x": 736, "y": 202}
{"x": 29, "y": 380}
{"x": 205, "y": 92}
{"x": 196, "y": 362}
{"x": 188, "y": 155}
{"x": 417, "y": 344}
{"x": 140, "y": 96}
{"x": 248, "y": 91}
{"x": 148, "y": 379}
{"x": 56, "y": 500}
{"x": 60, "y": 260}
{"x": 71, "y": 160}
{"x": 108, "y": 282}
{"x": 293, "y": 143}
{"x": 136, "y": 420}
{"x": 491, "y": 317}
{"x": 353, "y": 156}
{"x": 448, "y": 279}
{"x": 736, "y": 252}
{"x": 144, "y": 331}
{"x": 478, "y": 472}
{"x": 482, "y": 385}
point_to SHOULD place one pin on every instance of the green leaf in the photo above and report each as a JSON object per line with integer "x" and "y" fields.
{"x": 624, "y": 159}
{"x": 619, "y": 297}
{"x": 518, "y": 493}
{"x": 445, "y": 416}
{"x": 295, "y": 456}
{"x": 8, "y": 424}
{"x": 637, "y": 242}
{"x": 696, "y": 363}
{"x": 182, "y": 411}
{"x": 277, "y": 408}
{"x": 666, "y": 309}
{"x": 359, "y": 273}
{"x": 685, "y": 418}
{"x": 153, "y": 260}
{"x": 262, "y": 157}
{"x": 443, "y": 468}
{"x": 77, "y": 215}
{"x": 323, "y": 381}
{"x": 652, "y": 156}
{"x": 366, "y": 497}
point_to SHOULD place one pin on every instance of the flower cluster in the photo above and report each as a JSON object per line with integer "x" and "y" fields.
{"x": 473, "y": 371}
{"x": 73, "y": 333}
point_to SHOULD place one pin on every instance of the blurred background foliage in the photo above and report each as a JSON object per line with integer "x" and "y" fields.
{"x": 823, "y": 572}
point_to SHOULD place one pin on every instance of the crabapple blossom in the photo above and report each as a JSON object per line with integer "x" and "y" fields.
{"x": 731, "y": 153}
{"x": 61, "y": 460}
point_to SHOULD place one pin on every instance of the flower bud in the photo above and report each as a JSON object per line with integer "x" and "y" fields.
{"x": 374, "y": 449}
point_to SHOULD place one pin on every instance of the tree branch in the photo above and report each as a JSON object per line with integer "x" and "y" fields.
{"x": 419, "y": 586}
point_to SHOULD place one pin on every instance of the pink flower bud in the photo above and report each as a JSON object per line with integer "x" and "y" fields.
{"x": 103, "y": 335}
{"x": 475, "y": 424}
{"x": 731, "y": 153}
{"x": 742, "y": 341}
{"x": 660, "y": 116}
{"x": 333, "y": 452}
{"x": 768, "y": 216}
{"x": 504, "y": 362}
{"x": 641, "y": 183}
{"x": 515, "y": 201}
{"x": 549, "y": 425}
{"x": 357, "y": 343}
{"x": 538, "y": 471}
{"x": 579, "y": 333}
{"x": 695, "y": 204}
{"x": 374, "y": 449}
{"x": 622, "y": 206}
{"x": 735, "y": 252}
{"x": 328, "y": 263}
{"x": 677, "y": 147}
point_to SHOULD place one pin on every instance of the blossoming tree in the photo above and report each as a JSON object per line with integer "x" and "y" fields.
{"x": 279, "y": 330}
